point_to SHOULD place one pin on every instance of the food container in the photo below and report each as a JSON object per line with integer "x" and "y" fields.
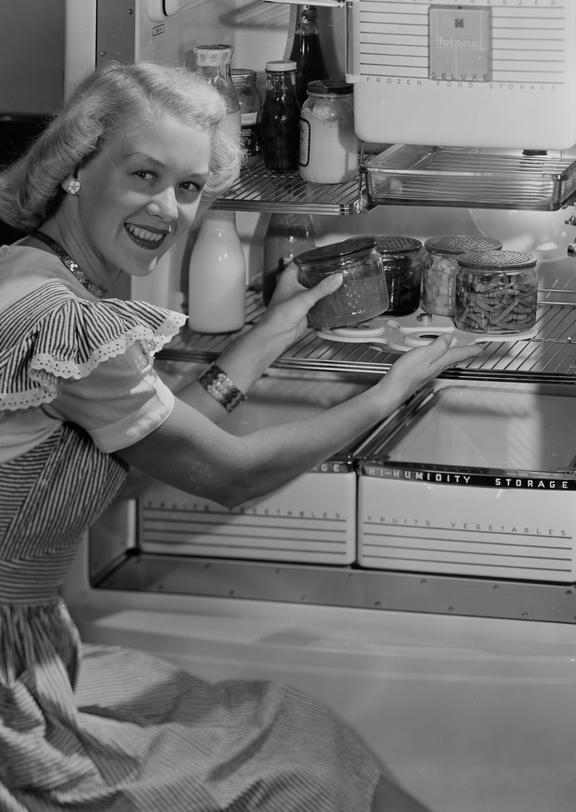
{"x": 363, "y": 293}
{"x": 328, "y": 143}
{"x": 496, "y": 292}
{"x": 402, "y": 264}
{"x": 441, "y": 266}
{"x": 244, "y": 80}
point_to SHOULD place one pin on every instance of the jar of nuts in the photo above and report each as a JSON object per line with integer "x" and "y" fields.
{"x": 441, "y": 266}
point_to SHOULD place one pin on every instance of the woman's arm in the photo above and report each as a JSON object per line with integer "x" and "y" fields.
{"x": 283, "y": 323}
{"x": 192, "y": 453}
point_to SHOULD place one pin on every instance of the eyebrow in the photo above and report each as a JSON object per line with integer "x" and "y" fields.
{"x": 143, "y": 156}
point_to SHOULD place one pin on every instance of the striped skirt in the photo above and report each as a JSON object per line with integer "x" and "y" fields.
{"x": 92, "y": 728}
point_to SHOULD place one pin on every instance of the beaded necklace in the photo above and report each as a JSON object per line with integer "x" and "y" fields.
{"x": 67, "y": 260}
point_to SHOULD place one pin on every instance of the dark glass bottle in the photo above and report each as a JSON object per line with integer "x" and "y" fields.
{"x": 307, "y": 51}
{"x": 281, "y": 118}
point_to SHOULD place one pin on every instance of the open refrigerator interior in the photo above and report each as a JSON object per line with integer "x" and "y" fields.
{"x": 396, "y": 579}
{"x": 401, "y": 189}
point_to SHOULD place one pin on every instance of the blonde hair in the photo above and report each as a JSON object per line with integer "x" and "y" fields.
{"x": 30, "y": 189}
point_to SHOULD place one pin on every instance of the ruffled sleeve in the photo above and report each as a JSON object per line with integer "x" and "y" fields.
{"x": 50, "y": 335}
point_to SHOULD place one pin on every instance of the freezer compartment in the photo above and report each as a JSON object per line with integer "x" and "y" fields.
{"x": 312, "y": 519}
{"x": 473, "y": 480}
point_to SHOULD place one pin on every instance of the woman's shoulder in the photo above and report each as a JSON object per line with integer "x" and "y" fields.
{"x": 48, "y": 332}
{"x": 24, "y": 269}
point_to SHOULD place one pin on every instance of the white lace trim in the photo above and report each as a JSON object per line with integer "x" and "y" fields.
{"x": 45, "y": 369}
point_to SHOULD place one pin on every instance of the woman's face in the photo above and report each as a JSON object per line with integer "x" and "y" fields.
{"x": 140, "y": 193}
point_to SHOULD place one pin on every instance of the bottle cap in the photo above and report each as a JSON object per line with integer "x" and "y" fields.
{"x": 240, "y": 75}
{"x": 280, "y": 66}
{"x": 329, "y": 87}
{"x": 213, "y": 54}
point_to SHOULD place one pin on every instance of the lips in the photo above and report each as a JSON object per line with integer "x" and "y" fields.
{"x": 145, "y": 237}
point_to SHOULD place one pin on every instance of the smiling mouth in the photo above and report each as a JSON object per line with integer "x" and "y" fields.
{"x": 144, "y": 237}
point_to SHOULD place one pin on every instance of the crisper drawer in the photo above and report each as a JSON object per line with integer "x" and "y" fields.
{"x": 474, "y": 480}
{"x": 310, "y": 520}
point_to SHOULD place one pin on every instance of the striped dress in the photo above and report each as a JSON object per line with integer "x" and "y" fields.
{"x": 94, "y": 728}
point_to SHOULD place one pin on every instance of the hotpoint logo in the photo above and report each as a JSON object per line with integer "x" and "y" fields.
{"x": 450, "y": 43}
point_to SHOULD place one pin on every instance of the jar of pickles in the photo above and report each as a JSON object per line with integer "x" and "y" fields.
{"x": 402, "y": 264}
{"x": 441, "y": 266}
{"x": 363, "y": 293}
{"x": 496, "y": 292}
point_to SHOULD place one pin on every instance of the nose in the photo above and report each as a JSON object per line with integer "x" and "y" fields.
{"x": 164, "y": 205}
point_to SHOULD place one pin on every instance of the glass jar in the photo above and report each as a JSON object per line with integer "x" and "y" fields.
{"x": 286, "y": 236}
{"x": 250, "y": 103}
{"x": 496, "y": 292}
{"x": 212, "y": 63}
{"x": 280, "y": 118}
{"x": 441, "y": 266}
{"x": 363, "y": 293}
{"x": 328, "y": 143}
{"x": 402, "y": 264}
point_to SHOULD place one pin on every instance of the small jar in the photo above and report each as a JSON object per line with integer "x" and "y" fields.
{"x": 280, "y": 118}
{"x": 363, "y": 293}
{"x": 328, "y": 143}
{"x": 250, "y": 102}
{"x": 441, "y": 266}
{"x": 402, "y": 264}
{"x": 496, "y": 292}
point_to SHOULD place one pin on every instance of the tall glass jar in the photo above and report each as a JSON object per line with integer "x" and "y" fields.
{"x": 250, "y": 103}
{"x": 328, "y": 143}
{"x": 280, "y": 118}
{"x": 441, "y": 266}
{"x": 402, "y": 264}
{"x": 496, "y": 292}
{"x": 363, "y": 293}
{"x": 213, "y": 63}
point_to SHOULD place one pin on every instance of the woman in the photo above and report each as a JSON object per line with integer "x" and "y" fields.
{"x": 117, "y": 177}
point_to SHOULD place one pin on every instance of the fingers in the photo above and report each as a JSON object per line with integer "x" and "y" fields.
{"x": 443, "y": 351}
{"x": 325, "y": 287}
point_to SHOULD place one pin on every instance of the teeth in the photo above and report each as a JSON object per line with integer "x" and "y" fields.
{"x": 144, "y": 234}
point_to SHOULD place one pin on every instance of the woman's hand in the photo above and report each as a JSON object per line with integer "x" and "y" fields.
{"x": 291, "y": 302}
{"x": 417, "y": 367}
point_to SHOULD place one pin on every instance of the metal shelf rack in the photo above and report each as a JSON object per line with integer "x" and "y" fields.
{"x": 416, "y": 175}
{"x": 546, "y": 357}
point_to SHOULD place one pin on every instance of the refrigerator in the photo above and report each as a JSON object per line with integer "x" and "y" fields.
{"x": 421, "y": 581}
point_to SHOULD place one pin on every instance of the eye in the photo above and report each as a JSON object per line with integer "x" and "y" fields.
{"x": 145, "y": 174}
{"x": 192, "y": 186}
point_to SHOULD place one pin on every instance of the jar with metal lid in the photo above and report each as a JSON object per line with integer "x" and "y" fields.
{"x": 328, "y": 143}
{"x": 441, "y": 266}
{"x": 496, "y": 292}
{"x": 250, "y": 102}
{"x": 363, "y": 293}
{"x": 402, "y": 264}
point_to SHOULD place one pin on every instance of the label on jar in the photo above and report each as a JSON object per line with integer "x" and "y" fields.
{"x": 304, "y": 142}
{"x": 249, "y": 133}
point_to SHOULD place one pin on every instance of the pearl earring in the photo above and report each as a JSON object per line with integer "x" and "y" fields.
{"x": 73, "y": 187}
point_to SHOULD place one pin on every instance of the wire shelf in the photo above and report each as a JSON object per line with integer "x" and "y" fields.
{"x": 260, "y": 190}
{"x": 444, "y": 176}
{"x": 547, "y": 357}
